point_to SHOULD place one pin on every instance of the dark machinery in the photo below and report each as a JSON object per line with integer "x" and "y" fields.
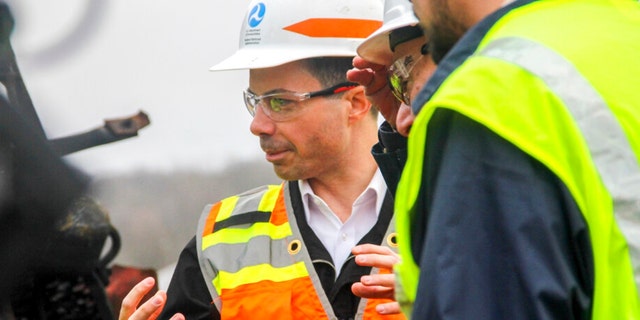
{"x": 52, "y": 236}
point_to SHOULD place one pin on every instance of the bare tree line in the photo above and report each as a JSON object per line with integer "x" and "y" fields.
{"x": 156, "y": 213}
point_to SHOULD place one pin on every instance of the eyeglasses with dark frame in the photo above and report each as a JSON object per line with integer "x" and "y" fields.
{"x": 282, "y": 106}
{"x": 399, "y": 74}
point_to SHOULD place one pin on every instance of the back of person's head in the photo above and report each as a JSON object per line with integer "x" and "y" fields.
{"x": 275, "y": 32}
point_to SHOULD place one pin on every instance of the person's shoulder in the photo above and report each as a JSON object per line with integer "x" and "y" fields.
{"x": 242, "y": 208}
{"x": 249, "y": 196}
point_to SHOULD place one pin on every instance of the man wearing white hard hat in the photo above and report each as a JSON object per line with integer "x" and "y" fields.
{"x": 284, "y": 251}
{"x": 393, "y": 64}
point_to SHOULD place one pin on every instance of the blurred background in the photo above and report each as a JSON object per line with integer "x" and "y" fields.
{"x": 84, "y": 61}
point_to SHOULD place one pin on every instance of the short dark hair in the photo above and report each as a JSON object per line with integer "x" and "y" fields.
{"x": 330, "y": 71}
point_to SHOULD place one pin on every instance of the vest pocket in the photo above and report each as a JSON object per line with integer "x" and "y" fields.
{"x": 256, "y": 301}
{"x": 284, "y": 300}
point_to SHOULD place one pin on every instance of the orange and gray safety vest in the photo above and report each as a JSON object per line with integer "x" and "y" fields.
{"x": 256, "y": 264}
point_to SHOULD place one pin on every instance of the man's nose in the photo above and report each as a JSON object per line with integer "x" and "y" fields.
{"x": 261, "y": 124}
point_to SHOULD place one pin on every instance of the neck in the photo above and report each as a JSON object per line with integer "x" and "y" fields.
{"x": 341, "y": 191}
{"x": 341, "y": 185}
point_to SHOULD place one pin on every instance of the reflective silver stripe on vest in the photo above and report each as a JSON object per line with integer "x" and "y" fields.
{"x": 259, "y": 250}
{"x": 610, "y": 150}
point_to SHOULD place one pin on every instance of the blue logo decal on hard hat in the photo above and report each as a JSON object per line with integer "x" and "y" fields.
{"x": 256, "y": 14}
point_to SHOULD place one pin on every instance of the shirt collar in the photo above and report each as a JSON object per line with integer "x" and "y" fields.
{"x": 377, "y": 187}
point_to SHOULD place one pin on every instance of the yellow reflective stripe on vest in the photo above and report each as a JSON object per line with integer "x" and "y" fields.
{"x": 259, "y": 273}
{"x": 610, "y": 150}
{"x": 236, "y": 235}
{"x": 226, "y": 207}
{"x": 269, "y": 199}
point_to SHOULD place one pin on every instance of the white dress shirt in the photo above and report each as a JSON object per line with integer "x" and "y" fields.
{"x": 337, "y": 237}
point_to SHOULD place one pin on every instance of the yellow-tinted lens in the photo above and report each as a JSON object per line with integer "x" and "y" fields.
{"x": 399, "y": 75}
{"x": 398, "y": 87}
{"x": 276, "y": 104}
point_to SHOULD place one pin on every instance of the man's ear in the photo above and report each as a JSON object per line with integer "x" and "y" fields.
{"x": 360, "y": 105}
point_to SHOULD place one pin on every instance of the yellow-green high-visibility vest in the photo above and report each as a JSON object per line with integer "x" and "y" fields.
{"x": 557, "y": 79}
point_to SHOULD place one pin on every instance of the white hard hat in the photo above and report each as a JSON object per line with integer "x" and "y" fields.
{"x": 397, "y": 14}
{"x": 275, "y": 32}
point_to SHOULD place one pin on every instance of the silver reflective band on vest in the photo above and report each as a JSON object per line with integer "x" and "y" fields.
{"x": 259, "y": 250}
{"x": 610, "y": 150}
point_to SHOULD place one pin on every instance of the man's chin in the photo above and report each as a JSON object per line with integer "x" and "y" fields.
{"x": 443, "y": 33}
{"x": 289, "y": 173}
{"x": 282, "y": 173}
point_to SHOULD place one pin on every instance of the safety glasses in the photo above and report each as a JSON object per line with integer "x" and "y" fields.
{"x": 282, "y": 106}
{"x": 399, "y": 74}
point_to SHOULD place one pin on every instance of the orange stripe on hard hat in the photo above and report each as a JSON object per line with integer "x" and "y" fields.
{"x": 335, "y": 28}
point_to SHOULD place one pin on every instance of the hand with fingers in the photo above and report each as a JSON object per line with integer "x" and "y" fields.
{"x": 374, "y": 78}
{"x": 149, "y": 309}
{"x": 380, "y": 285}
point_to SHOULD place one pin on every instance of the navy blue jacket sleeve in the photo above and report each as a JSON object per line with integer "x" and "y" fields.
{"x": 390, "y": 154}
{"x": 188, "y": 293}
{"x": 497, "y": 235}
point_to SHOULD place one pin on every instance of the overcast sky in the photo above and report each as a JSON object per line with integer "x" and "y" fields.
{"x": 84, "y": 61}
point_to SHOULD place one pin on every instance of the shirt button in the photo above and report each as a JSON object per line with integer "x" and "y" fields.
{"x": 344, "y": 237}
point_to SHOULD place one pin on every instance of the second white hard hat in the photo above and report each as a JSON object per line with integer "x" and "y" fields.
{"x": 275, "y": 32}
{"x": 397, "y": 14}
